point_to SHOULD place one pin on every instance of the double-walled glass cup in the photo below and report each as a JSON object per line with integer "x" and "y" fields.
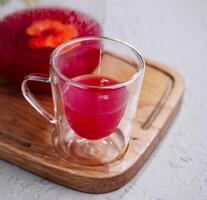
{"x": 95, "y": 84}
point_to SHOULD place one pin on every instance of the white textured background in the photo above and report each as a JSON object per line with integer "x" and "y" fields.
{"x": 174, "y": 32}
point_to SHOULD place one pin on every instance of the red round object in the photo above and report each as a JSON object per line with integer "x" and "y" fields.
{"x": 18, "y": 58}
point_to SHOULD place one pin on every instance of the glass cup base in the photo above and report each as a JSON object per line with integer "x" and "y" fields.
{"x": 90, "y": 152}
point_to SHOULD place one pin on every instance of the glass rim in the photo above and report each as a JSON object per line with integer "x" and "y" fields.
{"x": 57, "y": 72}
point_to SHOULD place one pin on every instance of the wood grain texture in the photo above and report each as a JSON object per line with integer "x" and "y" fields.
{"x": 25, "y": 137}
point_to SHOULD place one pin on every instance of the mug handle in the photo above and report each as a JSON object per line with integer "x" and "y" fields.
{"x": 30, "y": 97}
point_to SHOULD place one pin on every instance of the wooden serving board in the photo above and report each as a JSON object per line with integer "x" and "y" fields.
{"x": 25, "y": 137}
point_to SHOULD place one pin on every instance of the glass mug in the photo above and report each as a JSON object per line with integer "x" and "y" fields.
{"x": 95, "y": 83}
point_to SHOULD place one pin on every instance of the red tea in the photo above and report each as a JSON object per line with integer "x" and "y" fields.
{"x": 94, "y": 113}
{"x": 28, "y": 37}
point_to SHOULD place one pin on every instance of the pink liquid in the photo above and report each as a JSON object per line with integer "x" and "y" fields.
{"x": 94, "y": 113}
{"x": 18, "y": 58}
